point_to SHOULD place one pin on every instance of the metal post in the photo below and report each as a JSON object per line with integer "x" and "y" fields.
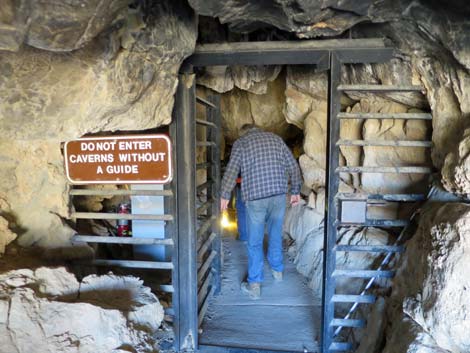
{"x": 214, "y": 116}
{"x": 329, "y": 256}
{"x": 186, "y": 185}
{"x": 171, "y": 228}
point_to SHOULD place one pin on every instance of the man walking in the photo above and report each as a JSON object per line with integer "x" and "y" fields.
{"x": 265, "y": 164}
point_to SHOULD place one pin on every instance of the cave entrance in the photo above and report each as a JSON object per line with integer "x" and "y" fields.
{"x": 325, "y": 55}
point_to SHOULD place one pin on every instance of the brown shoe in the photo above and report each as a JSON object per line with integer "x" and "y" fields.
{"x": 252, "y": 289}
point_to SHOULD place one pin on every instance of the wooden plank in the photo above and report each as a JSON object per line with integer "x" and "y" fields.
{"x": 380, "y": 88}
{"x": 203, "y": 165}
{"x": 120, "y": 192}
{"x": 387, "y": 170}
{"x": 204, "y": 207}
{"x": 357, "y": 323}
{"x": 340, "y": 346}
{"x": 102, "y": 215}
{"x": 203, "y": 289}
{"x": 402, "y": 116}
{"x": 377, "y": 223}
{"x": 203, "y": 310}
{"x": 203, "y": 186}
{"x": 121, "y": 240}
{"x": 205, "y": 144}
{"x": 392, "y": 143}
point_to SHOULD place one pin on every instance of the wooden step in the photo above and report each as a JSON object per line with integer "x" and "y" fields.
{"x": 340, "y": 346}
{"x": 402, "y": 116}
{"x": 387, "y": 143}
{"x": 380, "y": 88}
{"x": 385, "y": 170}
{"x": 205, "y": 102}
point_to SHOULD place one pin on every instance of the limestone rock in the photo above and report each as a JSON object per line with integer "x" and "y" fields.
{"x": 6, "y": 235}
{"x": 253, "y": 79}
{"x": 431, "y": 273}
{"x": 265, "y": 110}
{"x": 57, "y": 25}
{"x": 38, "y": 322}
{"x": 102, "y": 87}
{"x": 456, "y": 169}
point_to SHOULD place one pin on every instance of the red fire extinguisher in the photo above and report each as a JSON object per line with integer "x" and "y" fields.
{"x": 123, "y": 229}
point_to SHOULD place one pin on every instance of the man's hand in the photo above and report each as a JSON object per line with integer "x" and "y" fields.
{"x": 223, "y": 204}
{"x": 294, "y": 200}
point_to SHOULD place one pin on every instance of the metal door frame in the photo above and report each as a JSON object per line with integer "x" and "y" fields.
{"x": 325, "y": 55}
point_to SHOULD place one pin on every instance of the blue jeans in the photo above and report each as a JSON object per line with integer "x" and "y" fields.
{"x": 241, "y": 214}
{"x": 269, "y": 211}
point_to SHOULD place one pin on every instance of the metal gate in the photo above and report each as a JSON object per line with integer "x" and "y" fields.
{"x": 332, "y": 324}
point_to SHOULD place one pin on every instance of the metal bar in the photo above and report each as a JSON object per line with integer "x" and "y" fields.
{"x": 101, "y": 215}
{"x": 377, "y": 223}
{"x": 331, "y": 212}
{"x": 357, "y": 323}
{"x": 340, "y": 346}
{"x": 133, "y": 264}
{"x": 204, "y": 122}
{"x": 205, "y": 102}
{"x": 203, "y": 270}
{"x": 204, "y": 307}
{"x": 121, "y": 240}
{"x": 205, "y": 246}
{"x": 382, "y": 197}
{"x": 121, "y": 192}
{"x": 353, "y": 298}
{"x": 371, "y": 248}
{"x": 364, "y": 273}
{"x": 279, "y": 52}
{"x": 380, "y": 88}
{"x": 166, "y": 288}
{"x": 205, "y": 144}
{"x": 171, "y": 228}
{"x": 204, "y": 207}
{"x": 369, "y": 284}
{"x": 203, "y": 290}
{"x": 392, "y": 143}
{"x": 385, "y": 170}
{"x": 215, "y": 135}
{"x": 186, "y": 186}
{"x": 402, "y": 116}
{"x": 365, "y": 55}
{"x": 205, "y": 226}
{"x": 203, "y": 186}
{"x": 203, "y": 165}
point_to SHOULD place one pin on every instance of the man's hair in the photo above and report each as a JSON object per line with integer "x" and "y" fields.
{"x": 246, "y": 127}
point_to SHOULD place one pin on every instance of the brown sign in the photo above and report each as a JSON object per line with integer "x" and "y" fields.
{"x": 141, "y": 159}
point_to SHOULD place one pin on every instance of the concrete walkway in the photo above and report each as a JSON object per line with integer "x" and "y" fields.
{"x": 286, "y": 318}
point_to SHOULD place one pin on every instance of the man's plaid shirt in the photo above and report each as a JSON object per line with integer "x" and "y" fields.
{"x": 265, "y": 163}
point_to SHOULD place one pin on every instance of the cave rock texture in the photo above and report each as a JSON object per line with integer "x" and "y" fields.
{"x": 430, "y": 305}
{"x": 73, "y": 68}
{"x": 47, "y": 310}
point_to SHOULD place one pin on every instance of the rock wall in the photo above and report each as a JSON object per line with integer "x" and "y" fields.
{"x": 75, "y": 70}
{"x": 430, "y": 304}
{"x": 48, "y": 310}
